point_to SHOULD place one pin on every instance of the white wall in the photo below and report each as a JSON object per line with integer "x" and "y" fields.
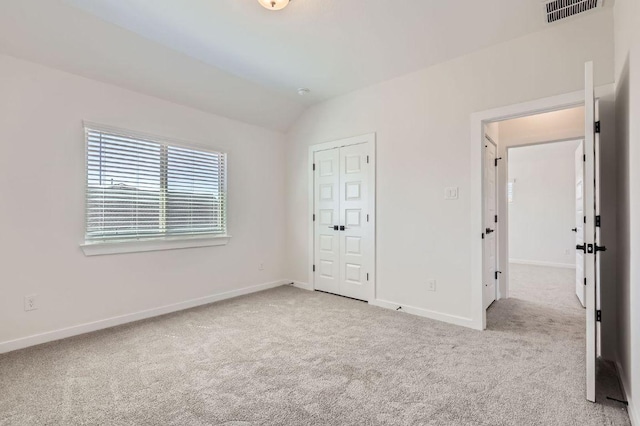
{"x": 42, "y": 214}
{"x": 422, "y": 121}
{"x": 627, "y": 73}
{"x": 543, "y": 210}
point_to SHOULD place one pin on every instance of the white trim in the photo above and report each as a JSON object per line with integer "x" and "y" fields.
{"x": 370, "y": 139}
{"x": 152, "y": 244}
{"x": 427, "y": 313}
{"x": 634, "y": 417}
{"x": 478, "y": 120}
{"x": 543, "y": 263}
{"x": 303, "y": 286}
{"x": 50, "y": 336}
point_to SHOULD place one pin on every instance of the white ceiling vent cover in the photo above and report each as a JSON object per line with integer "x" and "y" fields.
{"x": 561, "y": 9}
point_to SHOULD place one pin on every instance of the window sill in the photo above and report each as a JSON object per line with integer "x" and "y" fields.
{"x": 117, "y": 247}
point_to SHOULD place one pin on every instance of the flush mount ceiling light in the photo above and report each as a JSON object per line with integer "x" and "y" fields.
{"x": 274, "y": 4}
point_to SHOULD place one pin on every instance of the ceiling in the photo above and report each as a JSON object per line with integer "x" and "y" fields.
{"x": 237, "y": 59}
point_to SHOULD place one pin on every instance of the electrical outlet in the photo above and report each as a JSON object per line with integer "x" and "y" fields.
{"x": 451, "y": 193}
{"x": 261, "y": 266}
{"x": 31, "y": 302}
{"x": 431, "y": 285}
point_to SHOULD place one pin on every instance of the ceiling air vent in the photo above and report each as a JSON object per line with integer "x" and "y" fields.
{"x": 558, "y": 10}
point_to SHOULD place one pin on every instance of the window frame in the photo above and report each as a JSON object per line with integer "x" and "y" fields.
{"x": 92, "y": 248}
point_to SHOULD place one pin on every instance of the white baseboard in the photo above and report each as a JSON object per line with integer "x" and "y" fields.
{"x": 631, "y": 409}
{"x": 50, "y": 336}
{"x": 439, "y": 316}
{"x": 543, "y": 263}
{"x": 304, "y": 286}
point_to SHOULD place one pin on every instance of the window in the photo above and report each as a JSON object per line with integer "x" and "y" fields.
{"x": 143, "y": 189}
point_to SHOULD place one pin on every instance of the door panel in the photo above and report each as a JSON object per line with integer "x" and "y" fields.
{"x": 598, "y": 241}
{"x": 579, "y": 222}
{"x": 354, "y": 189}
{"x": 343, "y": 240}
{"x": 326, "y": 207}
{"x": 490, "y": 211}
{"x": 590, "y": 230}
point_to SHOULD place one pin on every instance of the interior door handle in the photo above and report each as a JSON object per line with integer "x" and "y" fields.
{"x": 575, "y": 229}
{"x": 488, "y": 230}
{"x": 342, "y": 227}
{"x": 334, "y": 227}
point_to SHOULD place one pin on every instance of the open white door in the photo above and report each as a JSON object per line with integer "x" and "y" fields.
{"x": 591, "y": 246}
{"x": 579, "y": 223}
{"x": 490, "y": 254}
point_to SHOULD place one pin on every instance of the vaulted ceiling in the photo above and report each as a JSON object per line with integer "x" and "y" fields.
{"x": 237, "y": 59}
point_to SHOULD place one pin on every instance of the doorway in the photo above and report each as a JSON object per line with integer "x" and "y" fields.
{"x": 545, "y": 222}
{"x": 593, "y": 239}
{"x": 343, "y": 219}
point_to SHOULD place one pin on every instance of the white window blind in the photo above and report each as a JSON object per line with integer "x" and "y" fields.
{"x": 138, "y": 189}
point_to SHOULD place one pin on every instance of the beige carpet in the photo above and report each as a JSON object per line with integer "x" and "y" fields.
{"x": 289, "y": 356}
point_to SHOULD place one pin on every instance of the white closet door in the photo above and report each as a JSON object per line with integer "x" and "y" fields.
{"x": 327, "y": 203}
{"x": 355, "y": 236}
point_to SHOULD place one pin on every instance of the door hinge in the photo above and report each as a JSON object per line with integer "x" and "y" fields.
{"x": 483, "y": 235}
{"x": 367, "y": 159}
{"x": 584, "y": 157}
{"x": 495, "y": 161}
{"x": 314, "y": 268}
{"x": 314, "y": 217}
{"x": 599, "y": 315}
{"x": 495, "y": 219}
{"x": 367, "y": 276}
{"x": 598, "y": 221}
{"x": 314, "y": 166}
{"x": 496, "y": 274}
{"x": 585, "y": 280}
{"x": 367, "y": 218}
{"x": 584, "y": 219}
{"x": 597, "y": 127}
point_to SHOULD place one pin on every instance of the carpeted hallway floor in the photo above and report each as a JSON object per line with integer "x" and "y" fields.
{"x": 289, "y": 356}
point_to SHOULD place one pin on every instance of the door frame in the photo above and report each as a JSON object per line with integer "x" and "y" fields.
{"x": 476, "y": 193}
{"x": 370, "y": 140}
